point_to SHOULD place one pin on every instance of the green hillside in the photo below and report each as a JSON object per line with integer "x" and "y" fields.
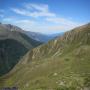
{"x": 13, "y": 45}
{"x": 61, "y": 64}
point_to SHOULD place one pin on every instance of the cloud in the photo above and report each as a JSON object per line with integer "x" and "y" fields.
{"x": 60, "y": 20}
{"x": 34, "y": 10}
{"x": 59, "y": 28}
{"x": 21, "y": 23}
{"x": 25, "y": 21}
{"x": 35, "y": 26}
{"x": 26, "y": 24}
{"x": 10, "y": 20}
{"x": 39, "y": 7}
{"x": 63, "y": 22}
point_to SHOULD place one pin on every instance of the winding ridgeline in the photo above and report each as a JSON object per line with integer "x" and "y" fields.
{"x": 13, "y": 45}
{"x": 61, "y": 64}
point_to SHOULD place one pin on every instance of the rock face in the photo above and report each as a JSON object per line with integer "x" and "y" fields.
{"x": 13, "y": 45}
{"x": 61, "y": 64}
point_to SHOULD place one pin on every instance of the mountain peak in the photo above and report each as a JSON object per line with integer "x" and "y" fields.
{"x": 10, "y": 27}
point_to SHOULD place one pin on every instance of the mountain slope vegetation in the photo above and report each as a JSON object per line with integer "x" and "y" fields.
{"x": 61, "y": 64}
{"x": 13, "y": 45}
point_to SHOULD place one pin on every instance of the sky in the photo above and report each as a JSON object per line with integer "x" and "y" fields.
{"x": 45, "y": 16}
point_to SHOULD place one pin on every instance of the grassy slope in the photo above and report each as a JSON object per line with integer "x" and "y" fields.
{"x": 53, "y": 70}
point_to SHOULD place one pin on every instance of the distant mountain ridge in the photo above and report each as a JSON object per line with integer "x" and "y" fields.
{"x": 34, "y": 35}
{"x": 10, "y": 27}
{"x": 39, "y": 36}
{"x": 42, "y": 37}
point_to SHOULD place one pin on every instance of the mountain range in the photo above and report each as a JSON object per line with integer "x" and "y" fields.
{"x": 61, "y": 64}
